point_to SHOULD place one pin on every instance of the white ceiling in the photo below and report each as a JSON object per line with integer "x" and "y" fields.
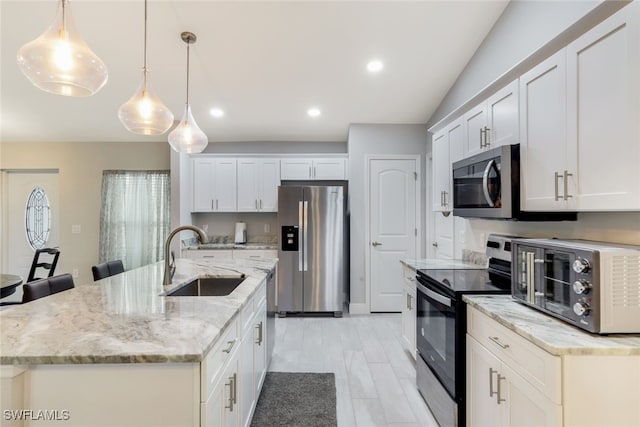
{"x": 264, "y": 63}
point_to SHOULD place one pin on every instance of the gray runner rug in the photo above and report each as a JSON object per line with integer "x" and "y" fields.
{"x": 296, "y": 399}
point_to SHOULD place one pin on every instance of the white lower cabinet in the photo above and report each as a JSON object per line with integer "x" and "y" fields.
{"x": 409, "y": 310}
{"x": 513, "y": 382}
{"x": 222, "y": 408}
{"x": 498, "y": 396}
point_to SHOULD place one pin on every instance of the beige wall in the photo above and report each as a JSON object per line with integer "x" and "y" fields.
{"x": 80, "y": 166}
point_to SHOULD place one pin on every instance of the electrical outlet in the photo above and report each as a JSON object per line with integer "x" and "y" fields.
{"x": 267, "y": 228}
{"x": 75, "y": 273}
{"x": 205, "y": 227}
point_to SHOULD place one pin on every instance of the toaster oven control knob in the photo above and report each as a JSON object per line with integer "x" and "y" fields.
{"x": 581, "y": 265}
{"x": 581, "y": 287}
{"x": 581, "y": 308}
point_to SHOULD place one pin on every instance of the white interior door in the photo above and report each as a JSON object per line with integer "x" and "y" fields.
{"x": 18, "y": 252}
{"x": 392, "y": 228}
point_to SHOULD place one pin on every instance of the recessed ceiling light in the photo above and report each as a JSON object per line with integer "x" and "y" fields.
{"x": 313, "y": 112}
{"x": 216, "y": 112}
{"x": 375, "y": 66}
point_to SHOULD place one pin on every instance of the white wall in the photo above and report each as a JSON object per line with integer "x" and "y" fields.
{"x": 366, "y": 139}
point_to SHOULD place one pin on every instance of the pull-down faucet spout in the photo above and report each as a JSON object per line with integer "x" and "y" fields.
{"x": 169, "y": 264}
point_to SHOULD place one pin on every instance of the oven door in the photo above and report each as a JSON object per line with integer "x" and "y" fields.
{"x": 482, "y": 184}
{"x": 436, "y": 334}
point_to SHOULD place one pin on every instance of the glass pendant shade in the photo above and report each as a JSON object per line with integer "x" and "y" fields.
{"x": 144, "y": 113}
{"x": 60, "y": 62}
{"x": 187, "y": 136}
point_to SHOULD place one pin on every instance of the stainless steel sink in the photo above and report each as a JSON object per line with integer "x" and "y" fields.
{"x": 208, "y": 287}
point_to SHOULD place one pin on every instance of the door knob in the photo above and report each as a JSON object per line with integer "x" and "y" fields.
{"x": 376, "y": 243}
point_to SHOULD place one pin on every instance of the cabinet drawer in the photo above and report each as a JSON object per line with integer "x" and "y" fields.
{"x": 539, "y": 368}
{"x": 209, "y": 254}
{"x": 409, "y": 274}
{"x": 254, "y": 254}
{"x": 215, "y": 360}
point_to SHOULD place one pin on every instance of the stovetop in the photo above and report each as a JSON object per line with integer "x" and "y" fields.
{"x": 457, "y": 282}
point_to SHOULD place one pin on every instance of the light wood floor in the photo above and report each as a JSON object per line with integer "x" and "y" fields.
{"x": 375, "y": 376}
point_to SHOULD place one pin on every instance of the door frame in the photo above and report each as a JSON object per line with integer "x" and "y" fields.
{"x": 367, "y": 226}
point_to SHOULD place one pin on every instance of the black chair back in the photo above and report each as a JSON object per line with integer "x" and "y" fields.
{"x": 45, "y": 287}
{"x": 107, "y": 269}
{"x": 50, "y": 267}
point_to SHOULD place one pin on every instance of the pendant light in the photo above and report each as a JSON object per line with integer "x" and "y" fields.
{"x": 187, "y": 136}
{"x": 144, "y": 113}
{"x": 60, "y": 62}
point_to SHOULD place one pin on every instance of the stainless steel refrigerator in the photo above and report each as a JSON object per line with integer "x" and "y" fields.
{"x": 312, "y": 268}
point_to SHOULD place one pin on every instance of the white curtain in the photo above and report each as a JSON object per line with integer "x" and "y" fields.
{"x": 135, "y": 216}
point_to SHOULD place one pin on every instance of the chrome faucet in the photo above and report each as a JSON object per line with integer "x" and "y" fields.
{"x": 169, "y": 265}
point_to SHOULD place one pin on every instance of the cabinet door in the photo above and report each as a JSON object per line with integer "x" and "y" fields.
{"x": 441, "y": 171}
{"x": 444, "y": 234}
{"x": 295, "y": 169}
{"x": 203, "y": 185}
{"x": 408, "y": 317}
{"x": 542, "y": 135}
{"x": 603, "y": 105}
{"x": 329, "y": 169}
{"x": 260, "y": 349}
{"x": 247, "y": 395}
{"x": 475, "y": 124}
{"x": 482, "y": 376}
{"x": 455, "y": 136}
{"x": 212, "y": 411}
{"x": 503, "y": 120}
{"x": 523, "y": 405}
{"x": 248, "y": 182}
{"x": 268, "y": 182}
{"x": 232, "y": 389}
{"x": 225, "y": 185}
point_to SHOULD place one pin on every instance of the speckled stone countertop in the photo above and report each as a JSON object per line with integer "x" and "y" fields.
{"x": 126, "y": 319}
{"x": 552, "y": 335}
{"x": 433, "y": 264}
{"x": 234, "y": 246}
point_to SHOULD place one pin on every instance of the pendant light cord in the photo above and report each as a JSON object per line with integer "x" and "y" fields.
{"x": 188, "y": 45}
{"x": 64, "y": 21}
{"x": 145, "y": 38}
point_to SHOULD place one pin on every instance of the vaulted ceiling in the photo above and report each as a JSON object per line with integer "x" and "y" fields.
{"x": 264, "y": 63}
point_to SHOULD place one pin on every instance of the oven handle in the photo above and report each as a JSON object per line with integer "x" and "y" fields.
{"x": 434, "y": 295}
{"x": 485, "y": 183}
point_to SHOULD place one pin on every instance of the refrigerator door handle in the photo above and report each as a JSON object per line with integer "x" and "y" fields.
{"x": 300, "y": 223}
{"x": 306, "y": 237}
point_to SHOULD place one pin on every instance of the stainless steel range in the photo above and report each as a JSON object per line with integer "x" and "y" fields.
{"x": 442, "y": 324}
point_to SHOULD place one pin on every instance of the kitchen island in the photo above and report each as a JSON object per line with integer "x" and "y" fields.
{"x": 120, "y": 352}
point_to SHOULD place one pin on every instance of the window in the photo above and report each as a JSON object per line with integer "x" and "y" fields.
{"x": 38, "y": 218}
{"x": 135, "y": 216}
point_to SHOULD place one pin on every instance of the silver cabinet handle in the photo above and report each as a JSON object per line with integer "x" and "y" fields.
{"x": 230, "y": 385}
{"x": 411, "y": 279}
{"x": 557, "y": 194}
{"x": 408, "y": 303}
{"x": 498, "y": 398}
{"x": 497, "y": 341}
{"x": 445, "y": 193}
{"x": 314, "y": 171}
{"x": 212, "y": 206}
{"x": 410, "y": 298}
{"x": 255, "y": 203}
{"x": 442, "y": 198}
{"x": 231, "y": 344}
{"x": 259, "y": 328}
{"x": 260, "y": 204}
{"x": 376, "y": 244}
{"x": 310, "y": 174}
{"x": 216, "y": 204}
{"x": 485, "y": 182}
{"x": 486, "y": 137}
{"x": 233, "y": 391}
{"x": 491, "y": 391}
{"x": 481, "y": 137}
{"x": 566, "y": 184}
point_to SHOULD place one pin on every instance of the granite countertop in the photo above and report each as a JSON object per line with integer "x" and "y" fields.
{"x": 550, "y": 334}
{"x": 434, "y": 264}
{"x": 127, "y": 319}
{"x": 234, "y": 246}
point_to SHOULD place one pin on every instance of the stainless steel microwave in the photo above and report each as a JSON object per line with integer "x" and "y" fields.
{"x": 487, "y": 185}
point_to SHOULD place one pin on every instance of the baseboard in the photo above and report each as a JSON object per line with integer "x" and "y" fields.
{"x": 358, "y": 308}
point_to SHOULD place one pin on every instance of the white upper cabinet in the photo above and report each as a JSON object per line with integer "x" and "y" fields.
{"x": 603, "y": 114}
{"x": 542, "y": 135}
{"x": 258, "y": 181}
{"x": 493, "y": 122}
{"x": 214, "y": 185}
{"x": 580, "y": 122}
{"x": 441, "y": 171}
{"x": 313, "y": 168}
